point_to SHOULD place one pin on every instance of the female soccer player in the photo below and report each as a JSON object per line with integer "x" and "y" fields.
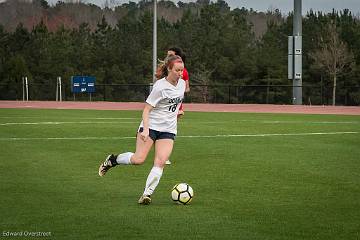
{"x": 158, "y": 126}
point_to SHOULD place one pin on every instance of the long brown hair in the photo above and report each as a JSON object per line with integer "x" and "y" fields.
{"x": 162, "y": 69}
{"x": 178, "y": 51}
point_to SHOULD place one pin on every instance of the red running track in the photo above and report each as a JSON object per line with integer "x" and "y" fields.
{"x": 196, "y": 107}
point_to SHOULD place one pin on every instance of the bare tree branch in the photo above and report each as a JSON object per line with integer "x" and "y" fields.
{"x": 333, "y": 55}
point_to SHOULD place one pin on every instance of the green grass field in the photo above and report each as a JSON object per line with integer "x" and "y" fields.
{"x": 255, "y": 176}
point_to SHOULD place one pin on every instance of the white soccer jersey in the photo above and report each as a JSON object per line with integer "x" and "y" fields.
{"x": 166, "y": 100}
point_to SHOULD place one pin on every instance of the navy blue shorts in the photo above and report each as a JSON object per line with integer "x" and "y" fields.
{"x": 155, "y": 135}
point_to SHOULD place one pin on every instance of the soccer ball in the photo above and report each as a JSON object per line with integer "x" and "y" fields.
{"x": 182, "y": 193}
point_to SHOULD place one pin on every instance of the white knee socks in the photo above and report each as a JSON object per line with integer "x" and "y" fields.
{"x": 124, "y": 158}
{"x": 153, "y": 180}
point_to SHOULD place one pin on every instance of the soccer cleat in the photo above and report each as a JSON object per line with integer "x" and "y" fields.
{"x": 144, "y": 200}
{"x": 168, "y": 162}
{"x": 106, "y": 165}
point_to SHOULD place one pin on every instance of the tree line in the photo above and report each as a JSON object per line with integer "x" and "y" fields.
{"x": 226, "y": 55}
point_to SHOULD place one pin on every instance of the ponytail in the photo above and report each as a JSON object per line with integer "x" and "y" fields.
{"x": 161, "y": 70}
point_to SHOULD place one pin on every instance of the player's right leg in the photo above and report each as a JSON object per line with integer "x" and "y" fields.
{"x": 127, "y": 158}
{"x": 142, "y": 149}
{"x": 144, "y": 200}
{"x": 109, "y": 162}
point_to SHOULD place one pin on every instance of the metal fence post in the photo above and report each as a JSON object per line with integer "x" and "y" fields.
{"x": 60, "y": 85}
{"x": 229, "y": 99}
{"x": 23, "y": 88}
{"x": 26, "y": 89}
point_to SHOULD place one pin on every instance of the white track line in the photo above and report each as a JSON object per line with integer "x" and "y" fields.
{"x": 271, "y": 134}
{"x": 98, "y": 118}
{"x": 311, "y": 122}
{"x": 211, "y": 122}
{"x": 282, "y": 122}
{"x": 199, "y": 136}
{"x": 58, "y": 123}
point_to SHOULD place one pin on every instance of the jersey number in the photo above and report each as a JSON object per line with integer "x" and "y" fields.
{"x": 172, "y": 108}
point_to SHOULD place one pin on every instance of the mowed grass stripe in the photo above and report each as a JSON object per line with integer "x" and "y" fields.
{"x": 199, "y": 136}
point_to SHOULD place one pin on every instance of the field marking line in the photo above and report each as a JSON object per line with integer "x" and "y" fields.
{"x": 97, "y": 118}
{"x": 214, "y": 122}
{"x": 58, "y": 123}
{"x": 281, "y": 122}
{"x": 66, "y": 138}
{"x": 270, "y": 134}
{"x": 310, "y": 122}
{"x": 189, "y": 136}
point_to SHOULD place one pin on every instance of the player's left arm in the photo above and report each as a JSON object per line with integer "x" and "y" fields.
{"x": 145, "y": 116}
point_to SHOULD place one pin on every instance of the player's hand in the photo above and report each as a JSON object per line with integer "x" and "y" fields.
{"x": 144, "y": 135}
{"x": 180, "y": 114}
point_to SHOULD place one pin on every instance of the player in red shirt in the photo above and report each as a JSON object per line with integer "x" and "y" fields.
{"x": 178, "y": 51}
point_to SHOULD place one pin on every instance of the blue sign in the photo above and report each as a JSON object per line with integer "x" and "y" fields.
{"x": 82, "y": 84}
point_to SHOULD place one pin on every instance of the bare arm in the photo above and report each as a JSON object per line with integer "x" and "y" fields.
{"x": 145, "y": 116}
{"x": 187, "y": 87}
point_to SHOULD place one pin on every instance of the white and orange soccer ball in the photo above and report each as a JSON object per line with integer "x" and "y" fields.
{"x": 182, "y": 193}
